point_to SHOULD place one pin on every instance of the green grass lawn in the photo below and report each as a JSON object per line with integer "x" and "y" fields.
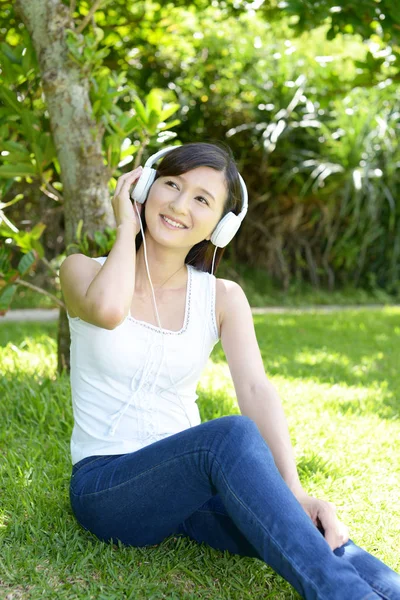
{"x": 339, "y": 380}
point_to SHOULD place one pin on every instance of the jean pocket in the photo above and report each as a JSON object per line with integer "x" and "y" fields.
{"x": 84, "y": 462}
{"x": 84, "y": 467}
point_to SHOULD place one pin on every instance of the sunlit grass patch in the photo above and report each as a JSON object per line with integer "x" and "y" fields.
{"x": 341, "y": 399}
{"x": 33, "y": 353}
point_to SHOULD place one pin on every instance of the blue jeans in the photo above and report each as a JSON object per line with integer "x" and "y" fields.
{"x": 218, "y": 483}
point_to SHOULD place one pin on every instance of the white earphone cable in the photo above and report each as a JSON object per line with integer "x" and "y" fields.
{"x": 159, "y": 324}
{"x": 213, "y": 260}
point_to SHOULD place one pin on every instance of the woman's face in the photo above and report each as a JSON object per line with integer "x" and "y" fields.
{"x": 194, "y": 199}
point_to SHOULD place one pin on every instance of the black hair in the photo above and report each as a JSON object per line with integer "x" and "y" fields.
{"x": 218, "y": 156}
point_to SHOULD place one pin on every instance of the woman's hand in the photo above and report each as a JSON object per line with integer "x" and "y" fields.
{"x": 122, "y": 204}
{"x": 323, "y": 515}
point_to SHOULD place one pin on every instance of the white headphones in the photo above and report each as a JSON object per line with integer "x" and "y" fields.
{"x": 228, "y": 226}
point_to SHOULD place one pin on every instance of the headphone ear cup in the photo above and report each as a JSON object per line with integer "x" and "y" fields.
{"x": 226, "y": 230}
{"x": 143, "y": 185}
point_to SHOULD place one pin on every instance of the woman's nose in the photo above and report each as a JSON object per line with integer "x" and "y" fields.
{"x": 181, "y": 203}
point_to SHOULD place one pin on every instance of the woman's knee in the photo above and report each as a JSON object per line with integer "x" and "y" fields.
{"x": 236, "y": 427}
{"x": 239, "y": 422}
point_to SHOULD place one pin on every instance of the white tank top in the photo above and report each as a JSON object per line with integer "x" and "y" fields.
{"x": 120, "y": 403}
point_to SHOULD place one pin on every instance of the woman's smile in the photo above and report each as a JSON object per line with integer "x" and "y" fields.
{"x": 171, "y": 223}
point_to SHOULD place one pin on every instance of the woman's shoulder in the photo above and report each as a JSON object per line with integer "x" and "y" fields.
{"x": 226, "y": 292}
{"x": 225, "y": 286}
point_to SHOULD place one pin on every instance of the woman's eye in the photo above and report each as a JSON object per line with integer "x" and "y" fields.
{"x": 171, "y": 183}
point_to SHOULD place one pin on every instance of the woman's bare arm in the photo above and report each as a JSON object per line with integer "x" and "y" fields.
{"x": 257, "y": 397}
{"x": 259, "y": 400}
{"x": 103, "y": 296}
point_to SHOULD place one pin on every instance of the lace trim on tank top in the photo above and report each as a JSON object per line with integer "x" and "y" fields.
{"x": 187, "y": 311}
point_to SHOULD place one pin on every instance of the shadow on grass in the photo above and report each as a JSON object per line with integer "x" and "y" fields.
{"x": 18, "y": 332}
{"x": 353, "y": 348}
{"x": 356, "y": 349}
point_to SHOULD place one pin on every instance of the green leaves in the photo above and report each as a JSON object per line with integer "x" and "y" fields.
{"x": 27, "y": 150}
{"x": 113, "y": 143}
{"x": 9, "y": 99}
{"x": 26, "y": 241}
{"x": 86, "y": 50}
{"x": 154, "y": 103}
{"x": 153, "y": 114}
{"x": 26, "y": 263}
{"x": 8, "y": 275}
{"x": 103, "y": 239}
{"x": 9, "y": 171}
{"x": 140, "y": 110}
{"x": 6, "y": 297}
{"x": 18, "y": 61}
{"x": 146, "y": 121}
{"x": 223, "y": 71}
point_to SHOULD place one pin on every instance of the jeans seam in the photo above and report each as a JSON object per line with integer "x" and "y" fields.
{"x": 311, "y": 583}
{"x": 214, "y": 512}
{"x": 375, "y": 590}
{"x": 89, "y": 463}
{"x": 120, "y": 485}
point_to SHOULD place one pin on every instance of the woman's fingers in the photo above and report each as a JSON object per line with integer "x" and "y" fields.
{"x": 335, "y": 532}
{"x": 127, "y": 179}
{"x": 122, "y": 205}
{"x": 121, "y": 202}
{"x": 323, "y": 515}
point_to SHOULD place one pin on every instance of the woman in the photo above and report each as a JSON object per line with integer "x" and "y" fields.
{"x": 144, "y": 466}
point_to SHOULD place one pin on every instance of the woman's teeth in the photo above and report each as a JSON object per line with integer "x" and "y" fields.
{"x": 173, "y": 223}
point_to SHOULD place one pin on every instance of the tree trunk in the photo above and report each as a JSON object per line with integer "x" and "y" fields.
{"x": 76, "y": 134}
{"x": 63, "y": 342}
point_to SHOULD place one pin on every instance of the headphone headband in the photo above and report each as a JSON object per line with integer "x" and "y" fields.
{"x": 228, "y": 226}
